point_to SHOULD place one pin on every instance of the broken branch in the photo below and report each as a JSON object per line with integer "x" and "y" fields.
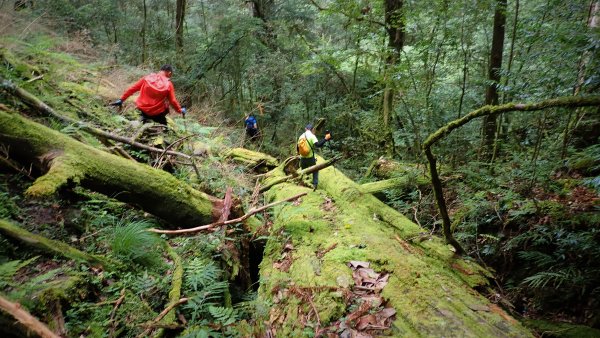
{"x": 231, "y": 221}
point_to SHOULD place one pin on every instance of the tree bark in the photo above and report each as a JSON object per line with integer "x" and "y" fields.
{"x": 394, "y": 25}
{"x": 67, "y": 161}
{"x": 491, "y": 95}
{"x": 179, "y": 21}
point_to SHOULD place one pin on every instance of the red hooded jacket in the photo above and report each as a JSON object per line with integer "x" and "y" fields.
{"x": 156, "y": 91}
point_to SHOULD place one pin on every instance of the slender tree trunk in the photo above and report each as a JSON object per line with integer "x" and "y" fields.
{"x": 491, "y": 95}
{"x": 143, "y": 33}
{"x": 592, "y": 22}
{"x": 394, "y": 24}
{"x": 179, "y": 21}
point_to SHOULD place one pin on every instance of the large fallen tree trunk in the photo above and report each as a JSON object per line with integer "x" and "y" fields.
{"x": 66, "y": 161}
{"x": 304, "y": 272}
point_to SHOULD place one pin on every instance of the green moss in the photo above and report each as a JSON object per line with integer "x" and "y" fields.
{"x": 562, "y": 330}
{"x": 429, "y": 287}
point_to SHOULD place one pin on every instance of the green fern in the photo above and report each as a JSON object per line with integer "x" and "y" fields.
{"x": 548, "y": 278}
{"x": 538, "y": 258}
{"x": 223, "y": 315}
{"x": 201, "y": 272}
{"x": 9, "y": 269}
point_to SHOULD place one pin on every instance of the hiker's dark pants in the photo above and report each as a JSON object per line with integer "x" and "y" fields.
{"x": 306, "y": 162}
{"x": 160, "y": 118}
{"x": 252, "y": 133}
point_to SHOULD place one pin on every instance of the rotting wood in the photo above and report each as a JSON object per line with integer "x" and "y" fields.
{"x": 74, "y": 163}
{"x": 174, "y": 293}
{"x": 403, "y": 182}
{"x": 231, "y": 221}
{"x": 52, "y": 246}
{"x": 25, "y": 318}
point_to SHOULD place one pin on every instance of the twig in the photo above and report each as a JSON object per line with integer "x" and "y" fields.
{"x": 39, "y": 77}
{"x": 25, "y": 318}
{"x": 114, "y": 312}
{"x": 232, "y": 221}
{"x": 164, "y": 312}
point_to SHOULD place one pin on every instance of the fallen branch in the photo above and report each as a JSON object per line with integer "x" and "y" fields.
{"x": 231, "y": 221}
{"x": 164, "y": 312}
{"x": 55, "y": 247}
{"x": 113, "y": 325}
{"x": 306, "y": 171}
{"x": 25, "y": 318}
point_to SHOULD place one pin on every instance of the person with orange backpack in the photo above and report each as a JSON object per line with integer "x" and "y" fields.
{"x": 305, "y": 147}
{"x": 156, "y": 93}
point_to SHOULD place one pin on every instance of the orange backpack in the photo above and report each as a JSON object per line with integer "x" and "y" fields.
{"x": 304, "y": 146}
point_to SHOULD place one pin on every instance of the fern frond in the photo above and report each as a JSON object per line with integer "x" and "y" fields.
{"x": 223, "y": 315}
{"x": 202, "y": 272}
{"x": 540, "y": 259}
{"x": 9, "y": 269}
{"x": 547, "y": 278}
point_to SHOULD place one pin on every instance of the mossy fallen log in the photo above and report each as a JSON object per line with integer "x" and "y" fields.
{"x": 67, "y": 161}
{"x": 404, "y": 182}
{"x": 383, "y": 168}
{"x": 8, "y": 229}
{"x": 430, "y": 288}
{"x": 253, "y": 159}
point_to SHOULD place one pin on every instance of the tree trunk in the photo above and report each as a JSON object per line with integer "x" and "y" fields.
{"x": 305, "y": 273}
{"x": 143, "y": 33}
{"x": 491, "y": 95}
{"x": 394, "y": 25}
{"x": 67, "y": 161}
{"x": 179, "y": 21}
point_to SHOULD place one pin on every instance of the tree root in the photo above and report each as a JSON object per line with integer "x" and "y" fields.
{"x": 25, "y": 318}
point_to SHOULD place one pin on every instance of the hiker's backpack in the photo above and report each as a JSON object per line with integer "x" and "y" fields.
{"x": 304, "y": 146}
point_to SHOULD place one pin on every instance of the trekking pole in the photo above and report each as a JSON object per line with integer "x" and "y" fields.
{"x": 191, "y": 149}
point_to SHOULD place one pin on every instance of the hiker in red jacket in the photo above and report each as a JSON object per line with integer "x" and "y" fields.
{"x": 156, "y": 92}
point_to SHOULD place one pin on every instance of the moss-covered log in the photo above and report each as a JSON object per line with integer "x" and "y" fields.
{"x": 253, "y": 159}
{"x": 383, "y": 168}
{"x": 430, "y": 288}
{"x": 402, "y": 183}
{"x": 68, "y": 161}
{"x": 8, "y": 229}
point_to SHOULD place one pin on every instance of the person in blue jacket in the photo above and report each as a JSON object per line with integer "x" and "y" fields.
{"x": 251, "y": 127}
